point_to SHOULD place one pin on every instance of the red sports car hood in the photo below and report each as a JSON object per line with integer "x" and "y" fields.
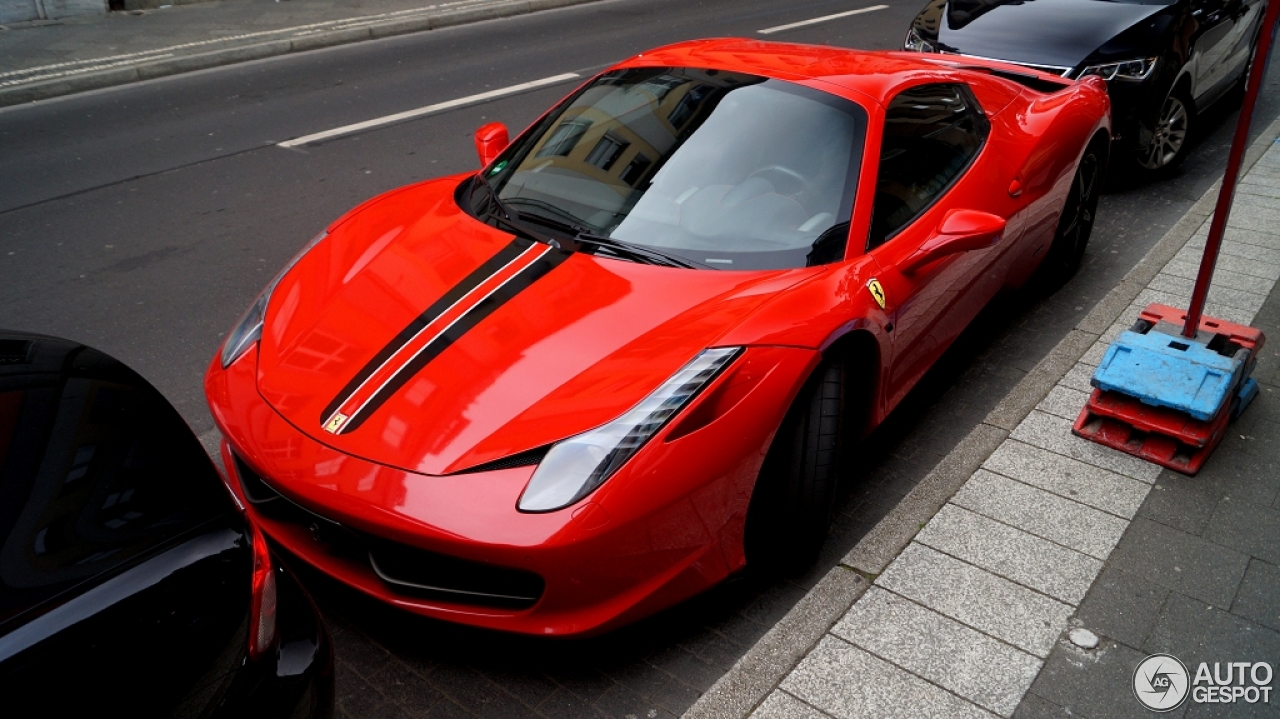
{"x": 416, "y": 336}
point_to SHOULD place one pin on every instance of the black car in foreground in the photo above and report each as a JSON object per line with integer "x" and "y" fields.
{"x": 130, "y": 582}
{"x": 1164, "y": 61}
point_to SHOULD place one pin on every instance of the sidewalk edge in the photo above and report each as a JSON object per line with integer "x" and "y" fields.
{"x": 750, "y": 680}
{"x": 20, "y": 94}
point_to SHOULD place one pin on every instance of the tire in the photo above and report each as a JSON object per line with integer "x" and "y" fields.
{"x": 791, "y": 505}
{"x": 1165, "y": 146}
{"x": 1075, "y": 225}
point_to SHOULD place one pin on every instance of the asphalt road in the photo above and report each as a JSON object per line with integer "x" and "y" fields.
{"x": 143, "y": 220}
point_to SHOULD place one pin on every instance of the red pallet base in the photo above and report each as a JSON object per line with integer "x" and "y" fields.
{"x": 1124, "y": 423}
{"x": 1161, "y": 435}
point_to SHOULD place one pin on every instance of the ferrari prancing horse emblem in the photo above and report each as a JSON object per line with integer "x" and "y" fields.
{"x": 335, "y": 423}
{"x": 877, "y": 292}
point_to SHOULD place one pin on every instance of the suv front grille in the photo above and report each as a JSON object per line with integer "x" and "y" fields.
{"x": 404, "y": 569}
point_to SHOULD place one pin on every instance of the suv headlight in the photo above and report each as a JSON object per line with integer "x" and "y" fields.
{"x": 1130, "y": 70}
{"x": 916, "y": 43}
{"x": 249, "y": 329}
{"x": 576, "y": 466}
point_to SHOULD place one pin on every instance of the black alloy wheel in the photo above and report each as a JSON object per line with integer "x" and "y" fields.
{"x": 1165, "y": 146}
{"x": 1076, "y": 222}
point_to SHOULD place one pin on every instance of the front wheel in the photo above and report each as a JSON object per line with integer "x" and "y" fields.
{"x": 1076, "y": 222}
{"x": 1165, "y": 145}
{"x": 791, "y": 505}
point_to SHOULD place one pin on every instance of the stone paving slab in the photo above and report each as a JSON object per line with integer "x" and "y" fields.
{"x": 848, "y": 683}
{"x": 1058, "y": 519}
{"x": 989, "y": 672}
{"x": 1011, "y": 553}
{"x": 993, "y": 605}
{"x": 1093, "y": 486}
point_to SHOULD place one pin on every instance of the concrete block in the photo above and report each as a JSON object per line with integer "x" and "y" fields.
{"x": 1011, "y": 553}
{"x": 1071, "y": 524}
{"x": 1257, "y": 598}
{"x": 1054, "y": 434}
{"x": 1183, "y": 562}
{"x": 1026, "y": 619}
{"x": 781, "y": 705}
{"x": 985, "y": 671}
{"x": 1246, "y": 527}
{"x": 848, "y": 683}
{"x": 1122, "y": 606}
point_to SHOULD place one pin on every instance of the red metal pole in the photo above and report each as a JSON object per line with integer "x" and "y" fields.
{"x": 1228, "y": 192}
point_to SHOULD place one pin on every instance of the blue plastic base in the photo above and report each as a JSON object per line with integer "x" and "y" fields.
{"x": 1170, "y": 371}
{"x": 1248, "y": 391}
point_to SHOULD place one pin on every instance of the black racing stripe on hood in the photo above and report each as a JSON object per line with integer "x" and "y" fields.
{"x": 504, "y": 257}
{"x": 474, "y": 316}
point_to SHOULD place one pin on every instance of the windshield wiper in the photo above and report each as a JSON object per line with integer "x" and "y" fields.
{"x": 640, "y": 253}
{"x": 579, "y": 234}
{"x": 510, "y": 218}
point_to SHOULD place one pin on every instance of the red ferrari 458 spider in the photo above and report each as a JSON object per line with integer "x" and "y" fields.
{"x": 620, "y": 362}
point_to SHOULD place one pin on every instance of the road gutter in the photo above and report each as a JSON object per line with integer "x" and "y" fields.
{"x": 753, "y": 677}
{"x": 162, "y": 64}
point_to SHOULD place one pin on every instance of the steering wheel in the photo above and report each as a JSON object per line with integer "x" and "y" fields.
{"x": 785, "y": 180}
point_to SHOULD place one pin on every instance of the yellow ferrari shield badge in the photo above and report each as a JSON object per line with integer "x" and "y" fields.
{"x": 877, "y": 292}
{"x": 335, "y": 423}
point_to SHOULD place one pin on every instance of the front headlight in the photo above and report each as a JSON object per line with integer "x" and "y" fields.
{"x": 1131, "y": 70}
{"x": 916, "y": 43}
{"x": 249, "y": 329}
{"x": 575, "y": 467}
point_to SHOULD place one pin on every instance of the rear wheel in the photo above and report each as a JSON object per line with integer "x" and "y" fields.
{"x": 791, "y": 505}
{"x": 1076, "y": 222}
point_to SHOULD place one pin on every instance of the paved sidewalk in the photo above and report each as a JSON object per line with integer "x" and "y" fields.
{"x": 977, "y": 576}
{"x": 46, "y": 58}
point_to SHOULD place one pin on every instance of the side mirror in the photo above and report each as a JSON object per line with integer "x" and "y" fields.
{"x": 491, "y": 140}
{"x": 961, "y": 231}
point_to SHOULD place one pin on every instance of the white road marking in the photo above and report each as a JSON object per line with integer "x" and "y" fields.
{"x": 429, "y": 109}
{"x": 824, "y": 18}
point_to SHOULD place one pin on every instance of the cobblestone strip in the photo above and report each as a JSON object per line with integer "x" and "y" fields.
{"x": 966, "y": 607}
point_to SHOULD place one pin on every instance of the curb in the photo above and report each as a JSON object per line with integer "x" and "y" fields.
{"x": 200, "y": 61}
{"x": 749, "y": 681}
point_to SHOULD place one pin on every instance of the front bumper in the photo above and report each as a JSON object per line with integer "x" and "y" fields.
{"x": 668, "y": 525}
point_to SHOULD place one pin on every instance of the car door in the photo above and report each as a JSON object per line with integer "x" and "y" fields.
{"x": 931, "y": 162}
{"x": 1215, "y": 21}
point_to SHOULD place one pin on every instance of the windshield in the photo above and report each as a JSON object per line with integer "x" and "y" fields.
{"x": 728, "y": 170}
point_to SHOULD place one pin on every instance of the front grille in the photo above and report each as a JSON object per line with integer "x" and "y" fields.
{"x": 406, "y": 570}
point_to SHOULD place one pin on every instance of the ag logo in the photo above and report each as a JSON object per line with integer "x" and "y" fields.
{"x": 877, "y": 292}
{"x": 1160, "y": 682}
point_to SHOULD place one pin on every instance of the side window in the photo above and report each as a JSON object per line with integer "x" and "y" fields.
{"x": 931, "y": 134}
